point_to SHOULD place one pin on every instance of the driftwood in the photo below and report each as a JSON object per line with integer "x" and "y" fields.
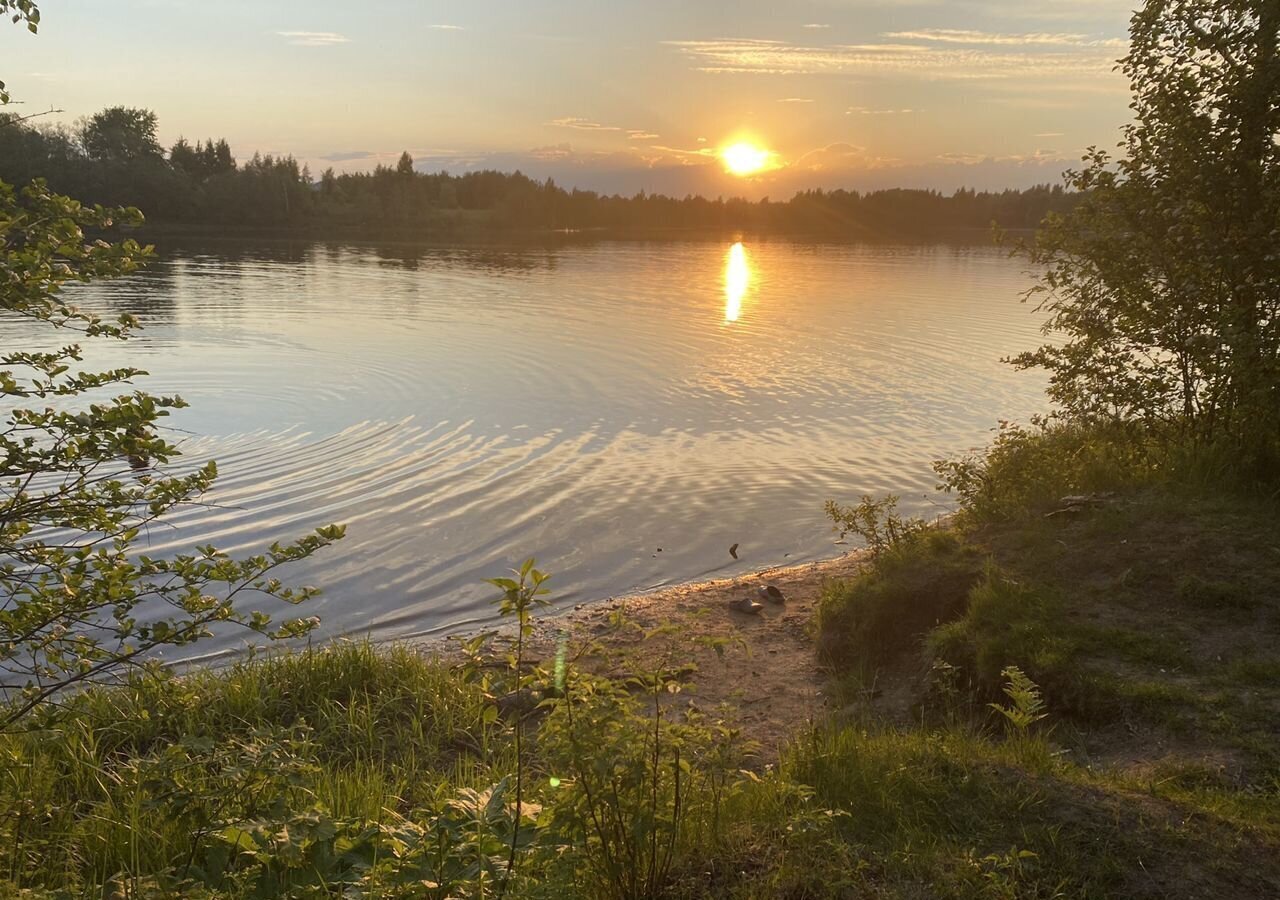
{"x": 1075, "y": 504}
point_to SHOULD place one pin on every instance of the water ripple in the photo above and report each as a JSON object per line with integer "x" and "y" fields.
{"x": 461, "y": 408}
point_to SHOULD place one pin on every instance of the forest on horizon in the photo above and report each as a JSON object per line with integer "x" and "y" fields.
{"x": 115, "y": 158}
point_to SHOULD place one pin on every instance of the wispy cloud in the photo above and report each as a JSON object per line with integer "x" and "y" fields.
{"x": 684, "y": 156}
{"x": 815, "y": 25}
{"x": 350, "y": 155}
{"x": 795, "y": 99}
{"x": 1039, "y": 157}
{"x": 447, "y": 27}
{"x": 636, "y": 134}
{"x": 939, "y": 60}
{"x": 1048, "y": 134}
{"x": 868, "y": 111}
{"x": 988, "y": 38}
{"x": 838, "y": 157}
{"x": 554, "y": 152}
{"x": 581, "y": 124}
{"x": 313, "y": 38}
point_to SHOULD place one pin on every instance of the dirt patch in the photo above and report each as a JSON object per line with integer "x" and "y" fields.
{"x": 767, "y": 677}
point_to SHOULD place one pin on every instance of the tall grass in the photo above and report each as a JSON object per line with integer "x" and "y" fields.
{"x": 361, "y": 731}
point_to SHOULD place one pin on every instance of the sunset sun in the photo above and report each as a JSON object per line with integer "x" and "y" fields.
{"x": 745, "y": 158}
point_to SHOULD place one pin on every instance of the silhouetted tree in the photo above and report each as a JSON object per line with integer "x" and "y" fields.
{"x": 1165, "y": 280}
{"x": 121, "y": 133}
{"x": 185, "y": 158}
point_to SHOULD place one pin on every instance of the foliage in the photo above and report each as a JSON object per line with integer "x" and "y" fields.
{"x": 875, "y": 521}
{"x": 80, "y": 485}
{"x": 277, "y": 773}
{"x": 1025, "y": 706}
{"x": 367, "y": 771}
{"x": 121, "y": 134}
{"x": 636, "y": 784}
{"x": 520, "y": 596}
{"x": 202, "y": 161}
{"x": 19, "y": 11}
{"x": 1028, "y": 470}
{"x": 870, "y": 619}
{"x": 1007, "y": 624}
{"x": 1163, "y": 281}
{"x": 942, "y": 808}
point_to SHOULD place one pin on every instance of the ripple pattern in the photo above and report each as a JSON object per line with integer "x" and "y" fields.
{"x": 462, "y": 408}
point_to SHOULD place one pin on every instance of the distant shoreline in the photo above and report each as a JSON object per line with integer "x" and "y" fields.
{"x": 484, "y": 235}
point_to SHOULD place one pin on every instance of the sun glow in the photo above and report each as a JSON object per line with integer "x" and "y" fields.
{"x": 745, "y": 158}
{"x": 737, "y": 276}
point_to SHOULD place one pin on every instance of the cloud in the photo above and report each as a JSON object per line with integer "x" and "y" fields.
{"x": 553, "y": 152}
{"x": 1038, "y": 158}
{"x": 1048, "y": 134}
{"x": 934, "y": 61}
{"x": 795, "y": 100}
{"x": 815, "y": 25}
{"x": 832, "y": 158}
{"x": 350, "y": 155}
{"x": 447, "y": 27}
{"x": 987, "y": 38}
{"x": 581, "y": 124}
{"x": 868, "y": 111}
{"x": 683, "y": 156}
{"x": 313, "y": 38}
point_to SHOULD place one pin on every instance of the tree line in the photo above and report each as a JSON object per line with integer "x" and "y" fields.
{"x": 115, "y": 158}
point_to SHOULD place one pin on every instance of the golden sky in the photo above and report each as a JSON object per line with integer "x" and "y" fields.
{"x": 617, "y": 95}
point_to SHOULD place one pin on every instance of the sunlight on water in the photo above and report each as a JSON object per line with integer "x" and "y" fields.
{"x": 462, "y": 408}
{"x": 737, "y": 277}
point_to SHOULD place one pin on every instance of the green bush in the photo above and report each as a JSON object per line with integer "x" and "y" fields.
{"x": 904, "y": 592}
{"x": 875, "y": 521}
{"x": 145, "y": 779}
{"x": 1008, "y": 624}
{"x": 950, "y": 814}
{"x": 1026, "y": 471}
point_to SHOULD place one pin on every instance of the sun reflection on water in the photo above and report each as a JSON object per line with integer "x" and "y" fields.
{"x": 737, "y": 276}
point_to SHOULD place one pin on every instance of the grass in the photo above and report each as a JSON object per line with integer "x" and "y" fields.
{"x": 908, "y": 590}
{"x": 1147, "y": 615}
{"x": 1146, "y": 622}
{"x": 369, "y": 732}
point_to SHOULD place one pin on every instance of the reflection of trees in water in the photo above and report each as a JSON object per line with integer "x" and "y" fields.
{"x": 173, "y": 277}
{"x": 235, "y": 249}
{"x": 506, "y": 260}
{"x": 149, "y": 294}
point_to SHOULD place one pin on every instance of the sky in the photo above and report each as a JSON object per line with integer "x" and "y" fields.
{"x": 610, "y": 95}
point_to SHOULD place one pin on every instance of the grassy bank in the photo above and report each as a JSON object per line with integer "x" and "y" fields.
{"x": 1045, "y": 699}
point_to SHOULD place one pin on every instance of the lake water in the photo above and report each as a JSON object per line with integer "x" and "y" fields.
{"x": 623, "y": 411}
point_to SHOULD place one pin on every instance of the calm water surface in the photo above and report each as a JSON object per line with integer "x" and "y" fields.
{"x": 461, "y": 409}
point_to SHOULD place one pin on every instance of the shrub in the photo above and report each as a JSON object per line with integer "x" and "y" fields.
{"x": 904, "y": 592}
{"x": 1026, "y": 471}
{"x": 1007, "y": 624}
{"x": 875, "y": 521}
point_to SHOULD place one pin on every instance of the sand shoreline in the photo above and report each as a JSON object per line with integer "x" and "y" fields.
{"x": 768, "y": 681}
